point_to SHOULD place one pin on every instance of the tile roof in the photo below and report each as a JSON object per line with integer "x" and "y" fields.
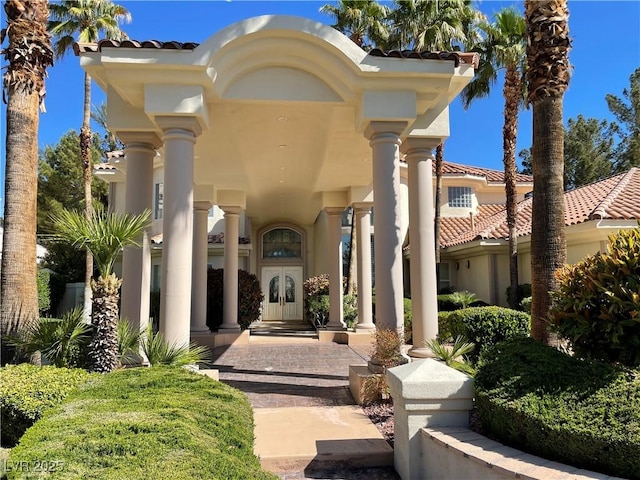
{"x": 492, "y": 176}
{"x": 104, "y": 166}
{"x": 614, "y": 198}
{"x": 451, "y": 228}
{"x": 79, "y": 48}
{"x": 457, "y": 57}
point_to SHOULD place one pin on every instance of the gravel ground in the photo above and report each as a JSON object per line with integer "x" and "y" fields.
{"x": 381, "y": 414}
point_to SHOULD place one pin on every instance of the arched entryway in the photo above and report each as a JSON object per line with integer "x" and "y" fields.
{"x": 281, "y": 266}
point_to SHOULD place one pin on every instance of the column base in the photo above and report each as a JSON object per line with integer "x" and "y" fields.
{"x": 367, "y": 327}
{"x": 420, "y": 352}
{"x": 205, "y": 331}
{"x": 224, "y": 329}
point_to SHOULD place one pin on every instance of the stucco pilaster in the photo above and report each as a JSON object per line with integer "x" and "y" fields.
{"x": 418, "y": 154}
{"x": 179, "y": 136}
{"x": 362, "y": 213}
{"x": 230, "y": 306}
{"x": 334, "y": 247}
{"x": 384, "y": 138}
{"x": 140, "y": 149}
{"x": 199, "y": 267}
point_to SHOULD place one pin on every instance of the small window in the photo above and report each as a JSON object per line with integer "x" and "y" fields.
{"x": 445, "y": 277}
{"x": 460, "y": 197}
{"x": 282, "y": 242}
{"x": 159, "y": 201}
{"x": 156, "y": 278}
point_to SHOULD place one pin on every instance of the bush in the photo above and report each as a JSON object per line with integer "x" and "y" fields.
{"x": 44, "y": 292}
{"x": 408, "y": 321}
{"x": 249, "y": 298}
{"x": 596, "y": 307}
{"x": 523, "y": 292}
{"x": 27, "y": 391}
{"x": 350, "y": 310}
{"x": 147, "y": 423}
{"x": 540, "y": 400}
{"x": 313, "y": 289}
{"x": 483, "y": 326}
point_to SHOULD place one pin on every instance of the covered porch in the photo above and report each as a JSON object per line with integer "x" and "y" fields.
{"x": 281, "y": 122}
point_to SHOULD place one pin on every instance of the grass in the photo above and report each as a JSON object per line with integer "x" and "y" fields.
{"x": 159, "y": 423}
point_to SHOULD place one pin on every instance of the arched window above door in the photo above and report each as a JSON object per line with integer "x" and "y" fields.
{"x": 282, "y": 243}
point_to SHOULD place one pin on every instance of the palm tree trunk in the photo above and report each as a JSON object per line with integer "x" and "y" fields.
{"x": 104, "y": 318}
{"x": 19, "y": 297}
{"x": 548, "y": 245}
{"x": 351, "y": 273}
{"x": 512, "y": 93}
{"x": 436, "y": 217}
{"x": 87, "y": 167}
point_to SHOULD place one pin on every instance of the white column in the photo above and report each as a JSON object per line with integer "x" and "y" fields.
{"x": 179, "y": 136}
{"x": 199, "y": 267}
{"x": 421, "y": 234}
{"x": 362, "y": 213}
{"x": 230, "y": 310}
{"x": 384, "y": 138}
{"x": 136, "y": 263}
{"x": 336, "y": 308}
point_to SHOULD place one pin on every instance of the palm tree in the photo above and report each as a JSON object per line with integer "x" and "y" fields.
{"x": 27, "y": 56}
{"x": 548, "y": 73}
{"x": 87, "y": 19}
{"x": 359, "y": 20}
{"x": 444, "y": 25}
{"x": 104, "y": 235}
{"x": 504, "y": 48}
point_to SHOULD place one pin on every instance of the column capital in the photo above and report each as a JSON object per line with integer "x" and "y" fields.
{"x": 188, "y": 123}
{"x": 376, "y": 128}
{"x": 334, "y": 211}
{"x": 140, "y": 140}
{"x": 202, "y": 205}
{"x": 413, "y": 144}
{"x": 362, "y": 207}
{"x": 231, "y": 209}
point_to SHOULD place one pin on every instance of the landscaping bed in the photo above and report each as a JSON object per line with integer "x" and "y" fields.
{"x": 160, "y": 423}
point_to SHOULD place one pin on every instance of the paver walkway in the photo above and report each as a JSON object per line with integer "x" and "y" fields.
{"x": 304, "y": 374}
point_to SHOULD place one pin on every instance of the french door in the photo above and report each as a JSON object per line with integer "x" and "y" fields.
{"x": 282, "y": 288}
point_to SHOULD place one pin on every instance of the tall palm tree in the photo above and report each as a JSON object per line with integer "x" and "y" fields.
{"x": 444, "y": 25}
{"x": 548, "y": 73}
{"x": 104, "y": 235}
{"x": 27, "y": 56}
{"x": 504, "y": 47}
{"x": 360, "y": 20}
{"x": 86, "y": 20}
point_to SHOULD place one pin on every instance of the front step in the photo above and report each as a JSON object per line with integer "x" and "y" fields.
{"x": 291, "y": 328}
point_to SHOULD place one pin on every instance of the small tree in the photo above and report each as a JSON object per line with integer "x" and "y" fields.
{"x": 104, "y": 235}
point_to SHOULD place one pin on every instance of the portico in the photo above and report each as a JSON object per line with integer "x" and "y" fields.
{"x": 277, "y": 121}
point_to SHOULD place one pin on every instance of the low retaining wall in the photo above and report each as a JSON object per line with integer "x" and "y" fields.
{"x": 455, "y": 453}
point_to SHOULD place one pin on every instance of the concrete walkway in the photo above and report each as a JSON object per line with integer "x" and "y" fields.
{"x": 307, "y": 423}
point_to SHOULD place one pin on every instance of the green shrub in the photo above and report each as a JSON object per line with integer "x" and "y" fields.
{"x": 523, "y": 292}
{"x": 350, "y": 310}
{"x": 26, "y": 391}
{"x": 313, "y": 289}
{"x": 249, "y": 298}
{"x": 159, "y": 352}
{"x": 408, "y": 321}
{"x": 147, "y": 423}
{"x": 317, "y": 309}
{"x": 597, "y": 304}
{"x": 484, "y": 326}
{"x": 540, "y": 400}
{"x": 44, "y": 292}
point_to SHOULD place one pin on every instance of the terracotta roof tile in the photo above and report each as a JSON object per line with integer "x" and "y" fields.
{"x": 453, "y": 228}
{"x": 492, "y": 176}
{"x": 615, "y": 198}
{"x": 104, "y": 166}
{"x": 152, "y": 44}
{"x": 457, "y": 57}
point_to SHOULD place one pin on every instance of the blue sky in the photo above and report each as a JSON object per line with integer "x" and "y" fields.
{"x": 606, "y": 50}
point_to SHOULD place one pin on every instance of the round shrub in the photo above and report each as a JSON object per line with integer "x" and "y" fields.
{"x": 26, "y": 391}
{"x": 540, "y": 400}
{"x": 597, "y": 304}
{"x": 484, "y": 326}
{"x": 250, "y": 298}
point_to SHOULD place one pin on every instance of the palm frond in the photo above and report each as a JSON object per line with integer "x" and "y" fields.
{"x": 160, "y": 352}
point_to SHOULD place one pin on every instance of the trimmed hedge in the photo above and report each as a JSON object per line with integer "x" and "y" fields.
{"x": 249, "y": 298}
{"x": 146, "y": 423}
{"x": 27, "y": 391}
{"x": 540, "y": 400}
{"x": 483, "y": 326}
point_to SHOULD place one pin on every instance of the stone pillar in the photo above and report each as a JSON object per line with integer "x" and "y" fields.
{"x": 384, "y": 138}
{"x": 199, "y": 268}
{"x": 362, "y": 212}
{"x": 136, "y": 262}
{"x": 426, "y": 393}
{"x": 230, "y": 311}
{"x": 424, "y": 290}
{"x": 334, "y": 236}
{"x": 179, "y": 136}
